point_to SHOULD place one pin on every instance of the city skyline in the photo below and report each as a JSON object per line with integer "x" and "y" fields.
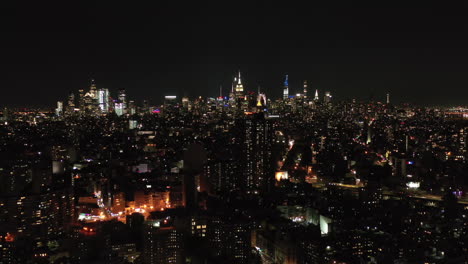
{"x": 235, "y": 179}
{"x": 415, "y": 53}
{"x": 234, "y": 133}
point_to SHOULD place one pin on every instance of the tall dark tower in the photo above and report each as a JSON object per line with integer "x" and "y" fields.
{"x": 81, "y": 103}
{"x": 256, "y": 135}
{"x": 5, "y": 114}
{"x": 194, "y": 159}
{"x": 71, "y": 103}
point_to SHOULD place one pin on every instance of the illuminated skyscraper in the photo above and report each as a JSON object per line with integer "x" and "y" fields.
{"x": 132, "y": 124}
{"x": 93, "y": 90}
{"x": 239, "y": 86}
{"x": 232, "y": 95}
{"x": 286, "y": 88}
{"x": 90, "y": 99}
{"x": 88, "y": 103}
{"x": 71, "y": 103}
{"x": 123, "y": 99}
{"x": 388, "y": 98}
{"x": 5, "y": 114}
{"x": 305, "y": 88}
{"x": 71, "y": 100}
{"x": 103, "y": 99}
{"x": 327, "y": 97}
{"x": 145, "y": 108}
{"x": 256, "y": 135}
{"x": 170, "y": 104}
{"x": 316, "y": 97}
{"x": 81, "y": 95}
{"x": 118, "y": 108}
{"x": 131, "y": 107}
{"x": 162, "y": 243}
{"x": 59, "y": 109}
{"x": 185, "y": 103}
{"x": 261, "y": 100}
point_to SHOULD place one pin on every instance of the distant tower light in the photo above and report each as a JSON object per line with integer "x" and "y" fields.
{"x": 286, "y": 88}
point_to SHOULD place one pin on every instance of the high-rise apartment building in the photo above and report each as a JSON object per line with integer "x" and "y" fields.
{"x": 256, "y": 138}
{"x": 162, "y": 243}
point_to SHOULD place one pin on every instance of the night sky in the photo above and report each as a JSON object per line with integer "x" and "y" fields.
{"x": 417, "y": 53}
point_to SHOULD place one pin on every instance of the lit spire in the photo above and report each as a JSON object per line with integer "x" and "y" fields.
{"x": 239, "y": 86}
{"x": 316, "y": 94}
{"x": 286, "y": 88}
{"x": 93, "y": 85}
{"x": 259, "y": 102}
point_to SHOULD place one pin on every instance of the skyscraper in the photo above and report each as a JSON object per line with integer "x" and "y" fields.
{"x": 185, "y": 103}
{"x": 194, "y": 159}
{"x": 59, "y": 109}
{"x": 261, "y": 101}
{"x": 90, "y": 99}
{"x": 123, "y": 100}
{"x": 256, "y": 136}
{"x": 103, "y": 99}
{"x": 71, "y": 103}
{"x": 71, "y": 100}
{"x": 93, "y": 90}
{"x": 327, "y": 97}
{"x": 286, "y": 88}
{"x": 162, "y": 243}
{"x": 305, "y": 88}
{"x": 170, "y": 104}
{"x": 131, "y": 107}
{"x": 239, "y": 86}
{"x": 5, "y": 114}
{"x": 81, "y": 95}
{"x": 118, "y": 108}
{"x": 316, "y": 97}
